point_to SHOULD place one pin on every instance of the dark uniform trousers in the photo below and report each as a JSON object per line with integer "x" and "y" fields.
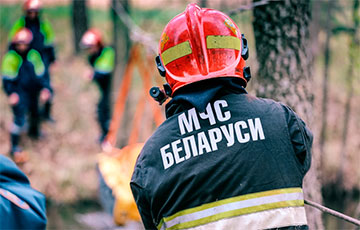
{"x": 28, "y": 104}
{"x": 103, "y": 106}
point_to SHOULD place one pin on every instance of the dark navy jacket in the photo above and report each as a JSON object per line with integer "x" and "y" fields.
{"x": 21, "y": 207}
{"x": 226, "y": 149}
{"x": 23, "y": 72}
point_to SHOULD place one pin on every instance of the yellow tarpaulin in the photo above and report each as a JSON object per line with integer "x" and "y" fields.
{"x": 116, "y": 169}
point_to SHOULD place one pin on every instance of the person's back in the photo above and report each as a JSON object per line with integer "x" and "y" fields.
{"x": 223, "y": 159}
{"x": 239, "y": 145}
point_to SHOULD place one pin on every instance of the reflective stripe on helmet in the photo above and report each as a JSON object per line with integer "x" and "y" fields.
{"x": 176, "y": 52}
{"x": 235, "y": 206}
{"x": 223, "y": 42}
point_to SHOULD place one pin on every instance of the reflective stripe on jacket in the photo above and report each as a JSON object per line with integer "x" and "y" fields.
{"x": 252, "y": 211}
{"x": 45, "y": 29}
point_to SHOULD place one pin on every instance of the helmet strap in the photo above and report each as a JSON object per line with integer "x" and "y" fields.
{"x": 160, "y": 66}
{"x": 244, "y": 48}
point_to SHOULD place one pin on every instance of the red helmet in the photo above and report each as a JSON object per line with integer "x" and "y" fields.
{"x": 22, "y": 36}
{"x": 92, "y": 37}
{"x": 200, "y": 44}
{"x": 32, "y": 5}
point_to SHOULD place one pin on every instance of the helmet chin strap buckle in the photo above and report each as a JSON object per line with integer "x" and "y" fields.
{"x": 160, "y": 95}
{"x": 160, "y": 66}
{"x": 247, "y": 73}
{"x": 244, "y": 48}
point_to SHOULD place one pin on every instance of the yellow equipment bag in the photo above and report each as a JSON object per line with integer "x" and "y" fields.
{"x": 116, "y": 169}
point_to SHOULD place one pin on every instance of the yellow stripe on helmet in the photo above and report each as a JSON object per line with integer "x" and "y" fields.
{"x": 223, "y": 42}
{"x": 176, "y": 52}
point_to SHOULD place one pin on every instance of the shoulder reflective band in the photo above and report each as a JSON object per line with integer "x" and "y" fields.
{"x": 47, "y": 31}
{"x": 35, "y": 58}
{"x": 11, "y": 65}
{"x": 176, "y": 52}
{"x": 14, "y": 199}
{"x": 20, "y": 23}
{"x": 106, "y": 61}
{"x": 235, "y": 206}
{"x": 223, "y": 42}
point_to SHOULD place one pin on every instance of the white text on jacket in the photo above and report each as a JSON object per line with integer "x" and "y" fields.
{"x": 207, "y": 141}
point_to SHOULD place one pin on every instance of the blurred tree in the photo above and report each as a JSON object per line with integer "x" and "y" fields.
{"x": 281, "y": 30}
{"x": 354, "y": 65}
{"x": 203, "y": 3}
{"x": 79, "y": 21}
{"x": 121, "y": 34}
{"x": 324, "y": 109}
{"x": 122, "y": 45}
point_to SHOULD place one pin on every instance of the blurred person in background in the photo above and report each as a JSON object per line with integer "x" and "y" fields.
{"x": 223, "y": 159}
{"x": 24, "y": 83}
{"x": 43, "y": 42}
{"x": 102, "y": 61}
{"x": 21, "y": 206}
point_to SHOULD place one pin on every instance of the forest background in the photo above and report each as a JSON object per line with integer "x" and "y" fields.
{"x": 63, "y": 164}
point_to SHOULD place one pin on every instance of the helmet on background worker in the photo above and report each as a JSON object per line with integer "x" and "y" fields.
{"x": 32, "y": 5}
{"x": 92, "y": 39}
{"x": 32, "y": 8}
{"x": 23, "y": 36}
{"x": 201, "y": 44}
{"x": 22, "y": 40}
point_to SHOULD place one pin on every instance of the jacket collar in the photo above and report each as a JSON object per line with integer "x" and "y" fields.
{"x": 199, "y": 94}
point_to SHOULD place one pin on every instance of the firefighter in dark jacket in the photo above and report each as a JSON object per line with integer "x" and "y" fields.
{"x": 102, "y": 60}
{"x": 23, "y": 81}
{"x": 223, "y": 159}
{"x": 21, "y": 206}
{"x": 43, "y": 42}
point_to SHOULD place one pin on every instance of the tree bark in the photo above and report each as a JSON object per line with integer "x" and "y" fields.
{"x": 122, "y": 44}
{"x": 281, "y": 30}
{"x": 79, "y": 21}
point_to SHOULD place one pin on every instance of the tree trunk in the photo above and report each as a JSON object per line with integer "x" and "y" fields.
{"x": 281, "y": 30}
{"x": 79, "y": 21}
{"x": 122, "y": 44}
{"x": 203, "y": 3}
{"x": 121, "y": 34}
{"x": 354, "y": 49}
{"x": 324, "y": 104}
